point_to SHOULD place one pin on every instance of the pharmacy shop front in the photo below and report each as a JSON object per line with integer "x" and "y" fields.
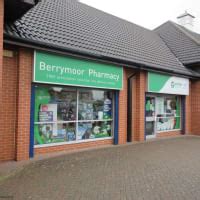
{"x": 74, "y": 101}
{"x": 164, "y": 105}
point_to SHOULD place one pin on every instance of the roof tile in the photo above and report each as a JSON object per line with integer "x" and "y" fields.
{"x": 74, "y": 25}
{"x": 184, "y": 43}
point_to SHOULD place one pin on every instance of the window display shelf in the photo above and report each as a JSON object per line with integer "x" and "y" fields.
{"x": 45, "y": 122}
{"x": 167, "y": 117}
{"x": 96, "y": 120}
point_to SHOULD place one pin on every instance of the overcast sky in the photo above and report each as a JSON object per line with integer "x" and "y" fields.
{"x": 149, "y": 13}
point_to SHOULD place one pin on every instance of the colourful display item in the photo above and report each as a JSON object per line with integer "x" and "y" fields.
{"x": 57, "y": 120}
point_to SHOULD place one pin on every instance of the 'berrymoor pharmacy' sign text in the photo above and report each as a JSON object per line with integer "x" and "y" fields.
{"x": 55, "y": 69}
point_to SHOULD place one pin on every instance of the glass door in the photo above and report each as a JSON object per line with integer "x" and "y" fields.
{"x": 150, "y": 117}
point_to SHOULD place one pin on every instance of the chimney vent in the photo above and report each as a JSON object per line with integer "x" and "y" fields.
{"x": 186, "y": 20}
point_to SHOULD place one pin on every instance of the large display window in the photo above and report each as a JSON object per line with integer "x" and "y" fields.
{"x": 66, "y": 114}
{"x": 168, "y": 113}
{"x": 163, "y": 113}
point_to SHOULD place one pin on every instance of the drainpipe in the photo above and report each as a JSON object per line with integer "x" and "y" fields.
{"x": 129, "y": 109}
{"x": 2, "y": 130}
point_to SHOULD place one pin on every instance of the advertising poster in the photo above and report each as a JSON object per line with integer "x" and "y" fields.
{"x": 160, "y": 105}
{"x": 49, "y": 112}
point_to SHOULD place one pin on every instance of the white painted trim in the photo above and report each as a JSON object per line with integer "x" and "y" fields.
{"x": 150, "y": 136}
{"x": 122, "y": 79}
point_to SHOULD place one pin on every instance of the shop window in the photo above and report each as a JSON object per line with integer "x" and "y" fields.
{"x": 168, "y": 113}
{"x": 150, "y": 115}
{"x": 66, "y": 114}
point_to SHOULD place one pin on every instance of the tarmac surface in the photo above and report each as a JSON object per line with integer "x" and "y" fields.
{"x": 158, "y": 170}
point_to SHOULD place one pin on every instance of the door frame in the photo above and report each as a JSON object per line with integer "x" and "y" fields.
{"x": 154, "y": 132}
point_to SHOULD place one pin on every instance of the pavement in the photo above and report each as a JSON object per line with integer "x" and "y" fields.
{"x": 157, "y": 170}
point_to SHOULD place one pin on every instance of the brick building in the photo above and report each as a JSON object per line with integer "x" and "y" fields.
{"x": 185, "y": 44}
{"x": 75, "y": 77}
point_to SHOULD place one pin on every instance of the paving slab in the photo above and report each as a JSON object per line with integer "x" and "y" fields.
{"x": 160, "y": 169}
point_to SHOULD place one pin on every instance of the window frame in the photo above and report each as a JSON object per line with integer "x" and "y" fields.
{"x": 155, "y": 115}
{"x": 179, "y": 116}
{"x": 77, "y": 121}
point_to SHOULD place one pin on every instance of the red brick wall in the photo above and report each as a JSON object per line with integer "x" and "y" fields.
{"x": 138, "y": 103}
{"x": 188, "y": 115}
{"x": 24, "y": 96}
{"x": 195, "y": 107}
{"x": 69, "y": 147}
{"x": 139, "y": 106}
{"x": 1, "y": 68}
{"x": 138, "y": 100}
{"x": 168, "y": 134}
{"x": 7, "y": 142}
{"x": 123, "y": 109}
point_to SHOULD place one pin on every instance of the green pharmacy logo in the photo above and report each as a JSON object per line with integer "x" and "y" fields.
{"x": 178, "y": 85}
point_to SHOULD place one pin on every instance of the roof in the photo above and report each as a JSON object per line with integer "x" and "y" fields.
{"x": 71, "y": 25}
{"x": 185, "y": 44}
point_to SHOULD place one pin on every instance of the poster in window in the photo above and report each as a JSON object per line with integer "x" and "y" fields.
{"x": 160, "y": 105}
{"x": 50, "y": 108}
{"x": 45, "y": 116}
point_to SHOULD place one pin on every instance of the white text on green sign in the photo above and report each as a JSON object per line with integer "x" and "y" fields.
{"x": 56, "y": 69}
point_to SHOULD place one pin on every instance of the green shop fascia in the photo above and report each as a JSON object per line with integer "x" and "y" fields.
{"x": 164, "y": 103}
{"x": 73, "y": 100}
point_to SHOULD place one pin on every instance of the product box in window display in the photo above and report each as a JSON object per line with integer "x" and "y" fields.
{"x": 93, "y": 130}
{"x": 86, "y": 111}
{"x": 54, "y": 132}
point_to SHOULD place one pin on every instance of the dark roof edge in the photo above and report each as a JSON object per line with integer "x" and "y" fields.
{"x": 193, "y": 64}
{"x": 80, "y": 54}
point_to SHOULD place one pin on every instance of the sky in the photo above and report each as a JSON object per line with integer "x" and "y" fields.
{"x": 149, "y": 13}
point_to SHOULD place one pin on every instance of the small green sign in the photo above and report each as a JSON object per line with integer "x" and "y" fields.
{"x": 162, "y": 83}
{"x": 62, "y": 70}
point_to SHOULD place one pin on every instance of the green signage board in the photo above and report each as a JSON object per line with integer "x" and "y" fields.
{"x": 62, "y": 70}
{"x": 161, "y": 83}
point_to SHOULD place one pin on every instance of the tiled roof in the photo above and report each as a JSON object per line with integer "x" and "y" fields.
{"x": 184, "y": 43}
{"x": 70, "y": 24}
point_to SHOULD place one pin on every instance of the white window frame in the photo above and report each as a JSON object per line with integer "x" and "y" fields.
{"x": 78, "y": 121}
